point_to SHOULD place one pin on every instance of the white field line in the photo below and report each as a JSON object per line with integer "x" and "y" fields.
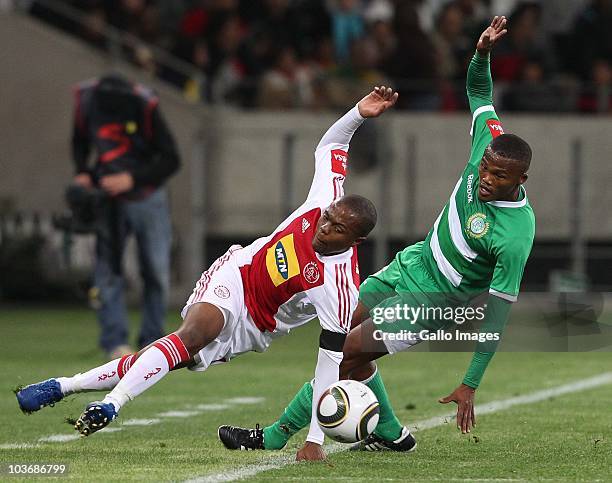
{"x": 189, "y": 412}
{"x": 212, "y": 407}
{"x": 279, "y": 461}
{"x": 140, "y": 422}
{"x": 19, "y": 445}
{"x": 179, "y": 414}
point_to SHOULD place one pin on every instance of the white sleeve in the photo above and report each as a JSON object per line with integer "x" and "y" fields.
{"x": 326, "y": 373}
{"x": 331, "y": 158}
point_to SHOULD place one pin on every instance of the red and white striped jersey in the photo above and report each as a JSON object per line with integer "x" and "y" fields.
{"x": 286, "y": 283}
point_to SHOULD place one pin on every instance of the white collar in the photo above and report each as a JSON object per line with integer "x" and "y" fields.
{"x": 337, "y": 258}
{"x": 511, "y": 204}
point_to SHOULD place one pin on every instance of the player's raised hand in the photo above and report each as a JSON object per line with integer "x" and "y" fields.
{"x": 464, "y": 397}
{"x": 377, "y": 101}
{"x": 492, "y": 34}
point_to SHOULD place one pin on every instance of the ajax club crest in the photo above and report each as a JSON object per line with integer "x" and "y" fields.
{"x": 477, "y": 225}
{"x": 311, "y": 272}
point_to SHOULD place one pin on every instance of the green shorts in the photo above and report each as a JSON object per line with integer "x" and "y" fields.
{"x": 404, "y": 298}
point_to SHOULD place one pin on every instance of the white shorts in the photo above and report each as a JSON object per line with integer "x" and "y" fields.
{"x": 221, "y": 286}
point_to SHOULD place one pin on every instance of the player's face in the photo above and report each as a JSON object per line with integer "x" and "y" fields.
{"x": 500, "y": 178}
{"x": 337, "y": 230}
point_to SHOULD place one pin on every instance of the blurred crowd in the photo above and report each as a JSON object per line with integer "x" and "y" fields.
{"x": 557, "y": 56}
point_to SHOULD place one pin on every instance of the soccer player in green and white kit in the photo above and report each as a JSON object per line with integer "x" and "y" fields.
{"x": 480, "y": 241}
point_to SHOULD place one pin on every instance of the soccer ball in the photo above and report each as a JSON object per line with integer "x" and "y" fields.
{"x": 348, "y": 411}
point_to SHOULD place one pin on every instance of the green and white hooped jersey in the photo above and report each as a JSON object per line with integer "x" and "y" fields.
{"x": 475, "y": 245}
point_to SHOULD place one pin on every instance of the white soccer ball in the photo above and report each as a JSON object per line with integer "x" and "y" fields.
{"x": 348, "y": 411}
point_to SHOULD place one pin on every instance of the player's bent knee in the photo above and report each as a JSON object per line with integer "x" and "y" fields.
{"x": 201, "y": 326}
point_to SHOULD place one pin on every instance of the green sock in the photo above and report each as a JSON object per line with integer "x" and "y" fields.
{"x": 389, "y": 427}
{"x": 295, "y": 417}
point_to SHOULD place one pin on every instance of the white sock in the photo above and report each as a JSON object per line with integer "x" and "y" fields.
{"x": 101, "y": 378}
{"x": 150, "y": 367}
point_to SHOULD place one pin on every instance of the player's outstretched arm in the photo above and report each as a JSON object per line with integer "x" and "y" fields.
{"x": 479, "y": 81}
{"x": 496, "y": 317}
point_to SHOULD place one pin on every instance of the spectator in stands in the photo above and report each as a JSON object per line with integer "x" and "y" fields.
{"x": 135, "y": 156}
{"x": 522, "y": 42}
{"x": 597, "y": 94}
{"x": 347, "y": 26}
{"x": 592, "y": 37}
{"x": 345, "y": 83}
{"x": 453, "y": 51}
{"x": 228, "y": 67}
{"x": 449, "y": 41}
{"x": 92, "y": 30}
{"x": 380, "y": 34}
{"x": 287, "y": 85}
{"x": 531, "y": 92}
{"x": 412, "y": 66}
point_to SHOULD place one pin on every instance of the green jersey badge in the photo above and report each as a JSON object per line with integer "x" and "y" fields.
{"x": 477, "y": 225}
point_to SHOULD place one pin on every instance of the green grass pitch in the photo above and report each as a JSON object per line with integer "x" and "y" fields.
{"x": 560, "y": 438}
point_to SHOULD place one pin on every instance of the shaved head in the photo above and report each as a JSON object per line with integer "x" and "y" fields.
{"x": 512, "y": 149}
{"x": 363, "y": 211}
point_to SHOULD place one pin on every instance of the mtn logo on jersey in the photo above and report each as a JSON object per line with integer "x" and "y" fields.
{"x": 495, "y": 127}
{"x": 339, "y": 160}
{"x": 281, "y": 260}
{"x": 477, "y": 225}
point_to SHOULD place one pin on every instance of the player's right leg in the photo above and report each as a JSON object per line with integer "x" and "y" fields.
{"x": 203, "y": 323}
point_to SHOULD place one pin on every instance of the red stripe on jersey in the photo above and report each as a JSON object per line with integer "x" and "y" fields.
{"x": 262, "y": 295}
{"x": 355, "y": 269}
{"x": 347, "y": 294}
{"x": 340, "y": 298}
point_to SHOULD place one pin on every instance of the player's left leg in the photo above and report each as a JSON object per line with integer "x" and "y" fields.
{"x": 46, "y": 393}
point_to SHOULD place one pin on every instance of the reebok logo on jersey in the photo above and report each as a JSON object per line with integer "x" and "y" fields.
{"x": 468, "y": 189}
{"x": 495, "y": 127}
{"x": 339, "y": 160}
{"x": 305, "y": 225}
{"x": 281, "y": 260}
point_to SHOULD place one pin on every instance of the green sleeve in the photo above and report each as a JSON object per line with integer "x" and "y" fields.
{"x": 511, "y": 257}
{"x": 485, "y": 123}
{"x": 479, "y": 82}
{"x": 496, "y": 317}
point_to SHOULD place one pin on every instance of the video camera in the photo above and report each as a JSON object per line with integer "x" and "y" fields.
{"x": 86, "y": 206}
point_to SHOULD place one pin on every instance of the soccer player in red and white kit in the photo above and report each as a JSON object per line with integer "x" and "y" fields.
{"x": 306, "y": 268}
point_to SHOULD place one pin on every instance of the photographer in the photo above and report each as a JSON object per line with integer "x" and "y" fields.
{"x": 135, "y": 155}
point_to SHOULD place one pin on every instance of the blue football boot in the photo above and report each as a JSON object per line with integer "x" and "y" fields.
{"x": 36, "y": 396}
{"x": 97, "y": 415}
